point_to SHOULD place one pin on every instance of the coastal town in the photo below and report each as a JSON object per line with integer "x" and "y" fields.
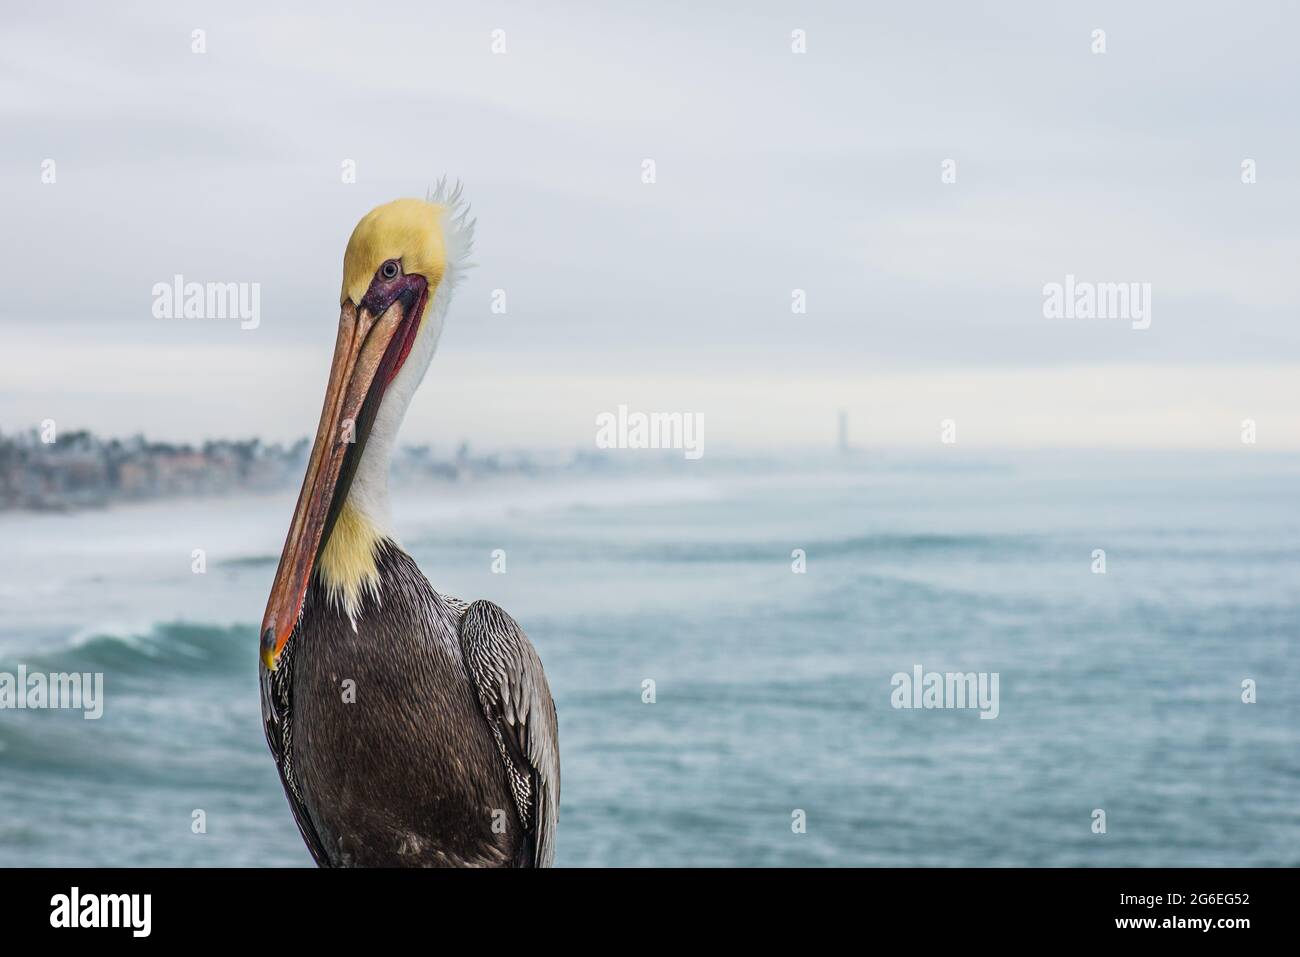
{"x": 82, "y": 470}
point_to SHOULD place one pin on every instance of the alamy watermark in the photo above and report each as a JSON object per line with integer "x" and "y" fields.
{"x": 1098, "y": 300}
{"x": 949, "y": 689}
{"x": 75, "y": 691}
{"x": 130, "y": 911}
{"x": 651, "y": 430}
{"x": 179, "y": 299}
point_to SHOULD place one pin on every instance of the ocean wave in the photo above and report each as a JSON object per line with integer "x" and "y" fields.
{"x": 883, "y": 545}
{"x": 164, "y": 646}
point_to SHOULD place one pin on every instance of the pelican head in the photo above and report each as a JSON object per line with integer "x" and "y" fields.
{"x": 401, "y": 264}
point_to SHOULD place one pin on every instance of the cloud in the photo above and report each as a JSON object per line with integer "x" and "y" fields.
{"x": 776, "y": 172}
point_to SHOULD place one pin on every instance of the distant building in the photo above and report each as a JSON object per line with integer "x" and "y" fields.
{"x": 81, "y": 470}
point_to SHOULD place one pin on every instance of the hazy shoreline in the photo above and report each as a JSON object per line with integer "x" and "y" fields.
{"x": 80, "y": 472}
{"x": 43, "y": 471}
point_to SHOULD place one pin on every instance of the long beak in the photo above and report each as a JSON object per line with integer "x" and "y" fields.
{"x": 362, "y": 368}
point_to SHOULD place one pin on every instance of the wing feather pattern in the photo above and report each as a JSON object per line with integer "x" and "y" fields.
{"x": 516, "y": 701}
{"x": 277, "y": 716}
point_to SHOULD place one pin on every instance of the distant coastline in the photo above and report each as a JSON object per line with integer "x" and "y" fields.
{"x": 79, "y": 470}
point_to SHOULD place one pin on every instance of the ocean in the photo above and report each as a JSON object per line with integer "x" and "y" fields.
{"x": 772, "y": 737}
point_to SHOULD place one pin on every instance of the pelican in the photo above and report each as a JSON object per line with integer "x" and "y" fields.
{"x": 410, "y": 728}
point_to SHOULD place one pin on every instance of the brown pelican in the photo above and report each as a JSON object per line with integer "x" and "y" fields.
{"x": 410, "y": 728}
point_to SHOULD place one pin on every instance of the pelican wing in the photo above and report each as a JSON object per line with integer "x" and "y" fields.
{"x": 277, "y": 716}
{"x": 516, "y": 700}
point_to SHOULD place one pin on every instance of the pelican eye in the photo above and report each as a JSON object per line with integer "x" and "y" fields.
{"x": 390, "y": 269}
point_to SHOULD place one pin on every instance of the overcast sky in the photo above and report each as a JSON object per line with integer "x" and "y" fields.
{"x": 775, "y": 171}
